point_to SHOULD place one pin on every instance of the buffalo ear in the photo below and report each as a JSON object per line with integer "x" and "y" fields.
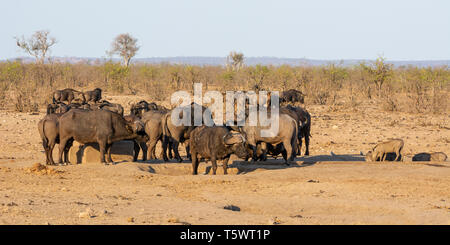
{"x": 233, "y": 138}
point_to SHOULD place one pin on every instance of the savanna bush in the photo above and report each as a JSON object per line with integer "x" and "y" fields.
{"x": 24, "y": 87}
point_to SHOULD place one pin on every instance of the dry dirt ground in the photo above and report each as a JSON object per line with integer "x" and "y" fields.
{"x": 321, "y": 189}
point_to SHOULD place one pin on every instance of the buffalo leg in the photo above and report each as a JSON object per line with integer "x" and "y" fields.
{"x": 102, "y": 146}
{"x": 66, "y": 151}
{"x": 46, "y": 149}
{"x": 299, "y": 146}
{"x": 136, "y": 150}
{"x": 62, "y": 147}
{"x": 194, "y": 163}
{"x": 306, "y": 145}
{"x": 144, "y": 150}
{"x": 164, "y": 146}
{"x": 214, "y": 164}
{"x": 188, "y": 151}
{"x": 49, "y": 152}
{"x": 225, "y": 165}
{"x": 151, "y": 145}
{"x": 108, "y": 150}
{"x": 170, "y": 148}
{"x": 175, "y": 145}
{"x": 289, "y": 152}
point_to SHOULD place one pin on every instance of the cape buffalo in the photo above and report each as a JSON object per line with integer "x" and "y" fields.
{"x": 215, "y": 143}
{"x": 153, "y": 128}
{"x": 143, "y": 106}
{"x": 96, "y": 126}
{"x": 303, "y": 119}
{"x": 94, "y": 95}
{"x": 179, "y": 134}
{"x": 48, "y": 129}
{"x": 68, "y": 95}
{"x": 291, "y": 96}
{"x": 106, "y": 105}
{"x": 287, "y": 135}
{"x": 140, "y": 141}
{"x": 57, "y": 107}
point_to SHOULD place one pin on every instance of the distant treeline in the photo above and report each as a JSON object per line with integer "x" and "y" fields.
{"x": 27, "y": 86}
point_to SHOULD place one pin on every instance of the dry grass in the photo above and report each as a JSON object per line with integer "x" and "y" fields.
{"x": 26, "y": 87}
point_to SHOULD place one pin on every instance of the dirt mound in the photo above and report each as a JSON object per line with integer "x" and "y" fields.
{"x": 40, "y": 169}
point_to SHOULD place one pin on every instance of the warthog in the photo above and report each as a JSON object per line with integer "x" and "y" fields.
{"x": 389, "y": 157}
{"x": 95, "y": 126}
{"x": 215, "y": 143}
{"x": 68, "y": 95}
{"x": 382, "y": 149}
{"x": 433, "y": 157}
{"x": 94, "y": 95}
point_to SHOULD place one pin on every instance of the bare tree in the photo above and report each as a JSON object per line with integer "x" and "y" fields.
{"x": 235, "y": 61}
{"x": 38, "y": 45}
{"x": 125, "y": 46}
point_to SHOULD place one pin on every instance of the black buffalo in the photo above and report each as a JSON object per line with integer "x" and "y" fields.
{"x": 143, "y": 106}
{"x": 95, "y": 126}
{"x": 68, "y": 95}
{"x": 94, "y": 95}
{"x": 215, "y": 143}
{"x": 49, "y": 131}
{"x": 57, "y": 107}
{"x": 292, "y": 96}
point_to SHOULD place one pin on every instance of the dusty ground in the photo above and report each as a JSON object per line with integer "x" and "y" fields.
{"x": 321, "y": 189}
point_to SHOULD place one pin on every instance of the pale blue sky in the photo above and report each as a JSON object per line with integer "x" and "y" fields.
{"x": 319, "y": 29}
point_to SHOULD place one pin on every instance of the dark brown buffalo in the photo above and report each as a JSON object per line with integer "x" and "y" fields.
{"x": 303, "y": 119}
{"x": 84, "y": 106}
{"x": 176, "y": 134}
{"x": 95, "y": 126}
{"x": 140, "y": 141}
{"x": 68, "y": 95}
{"x": 263, "y": 149}
{"x": 106, "y": 105}
{"x": 48, "y": 129}
{"x": 143, "y": 106}
{"x": 94, "y": 95}
{"x": 287, "y": 135}
{"x": 57, "y": 107}
{"x": 215, "y": 143}
{"x": 292, "y": 96}
{"x": 153, "y": 128}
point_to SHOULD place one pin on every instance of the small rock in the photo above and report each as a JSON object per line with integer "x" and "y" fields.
{"x": 232, "y": 208}
{"x": 89, "y": 213}
{"x": 313, "y": 181}
{"x": 274, "y": 221}
{"x": 173, "y": 220}
{"x": 130, "y": 220}
{"x": 335, "y": 127}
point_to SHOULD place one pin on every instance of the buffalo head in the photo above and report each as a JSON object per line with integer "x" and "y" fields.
{"x": 236, "y": 141}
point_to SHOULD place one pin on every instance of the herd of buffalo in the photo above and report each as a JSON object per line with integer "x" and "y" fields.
{"x": 86, "y": 118}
